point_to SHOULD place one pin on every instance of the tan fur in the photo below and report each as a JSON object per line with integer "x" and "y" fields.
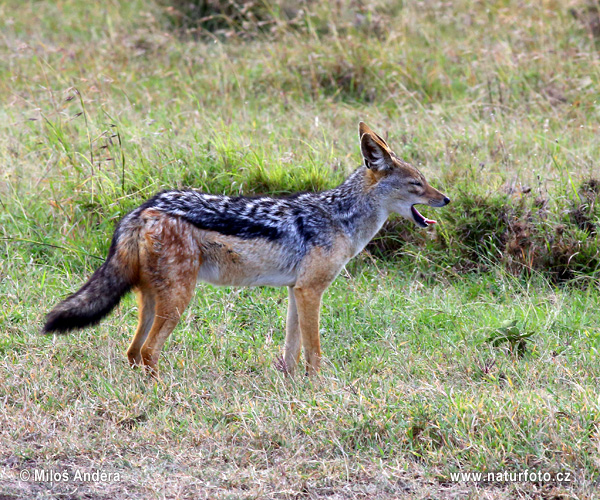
{"x": 169, "y": 263}
{"x": 371, "y": 179}
{"x": 318, "y": 272}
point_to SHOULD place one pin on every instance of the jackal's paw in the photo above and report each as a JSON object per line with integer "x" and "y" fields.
{"x": 135, "y": 361}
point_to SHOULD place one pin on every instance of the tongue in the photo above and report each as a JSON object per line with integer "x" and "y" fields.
{"x": 425, "y": 220}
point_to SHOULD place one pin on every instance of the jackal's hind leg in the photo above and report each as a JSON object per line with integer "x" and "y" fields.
{"x": 170, "y": 305}
{"x": 169, "y": 260}
{"x": 146, "y": 310}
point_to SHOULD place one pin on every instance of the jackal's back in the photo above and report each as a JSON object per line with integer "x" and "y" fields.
{"x": 297, "y": 221}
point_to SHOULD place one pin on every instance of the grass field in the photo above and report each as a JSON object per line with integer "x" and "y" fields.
{"x": 468, "y": 347}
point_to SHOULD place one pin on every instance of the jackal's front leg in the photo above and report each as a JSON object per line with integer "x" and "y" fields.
{"x": 293, "y": 340}
{"x": 308, "y": 303}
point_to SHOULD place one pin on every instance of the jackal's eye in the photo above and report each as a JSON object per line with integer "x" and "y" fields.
{"x": 416, "y": 183}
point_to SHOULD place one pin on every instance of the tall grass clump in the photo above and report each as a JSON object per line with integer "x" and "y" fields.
{"x": 230, "y": 18}
{"x": 251, "y": 19}
{"x": 521, "y": 233}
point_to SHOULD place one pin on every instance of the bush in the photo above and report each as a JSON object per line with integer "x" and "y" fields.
{"x": 522, "y": 235}
{"x": 227, "y": 18}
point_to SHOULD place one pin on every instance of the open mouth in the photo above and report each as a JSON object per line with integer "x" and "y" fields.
{"x": 419, "y": 219}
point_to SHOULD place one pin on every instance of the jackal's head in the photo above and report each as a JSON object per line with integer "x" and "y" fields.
{"x": 400, "y": 185}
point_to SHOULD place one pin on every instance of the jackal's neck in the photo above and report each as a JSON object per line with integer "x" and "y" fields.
{"x": 357, "y": 206}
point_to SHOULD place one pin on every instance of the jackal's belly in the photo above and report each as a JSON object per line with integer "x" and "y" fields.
{"x": 224, "y": 276}
{"x": 230, "y": 261}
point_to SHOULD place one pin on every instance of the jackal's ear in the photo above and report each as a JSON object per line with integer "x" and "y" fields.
{"x": 363, "y": 129}
{"x": 375, "y": 152}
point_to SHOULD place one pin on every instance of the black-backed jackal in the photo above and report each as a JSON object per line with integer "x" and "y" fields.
{"x": 162, "y": 248}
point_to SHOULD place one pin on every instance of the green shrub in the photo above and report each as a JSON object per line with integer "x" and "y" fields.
{"x": 520, "y": 234}
{"x": 227, "y": 18}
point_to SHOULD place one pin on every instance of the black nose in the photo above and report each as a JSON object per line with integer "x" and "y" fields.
{"x": 446, "y": 200}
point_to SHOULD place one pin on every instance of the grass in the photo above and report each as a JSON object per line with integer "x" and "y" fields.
{"x": 412, "y": 391}
{"x": 469, "y": 347}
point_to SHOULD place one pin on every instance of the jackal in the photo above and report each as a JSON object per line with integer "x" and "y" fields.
{"x": 163, "y": 247}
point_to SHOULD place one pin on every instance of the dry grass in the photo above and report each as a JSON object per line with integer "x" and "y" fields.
{"x": 403, "y": 400}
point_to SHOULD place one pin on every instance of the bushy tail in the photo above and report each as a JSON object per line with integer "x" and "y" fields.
{"x": 98, "y": 296}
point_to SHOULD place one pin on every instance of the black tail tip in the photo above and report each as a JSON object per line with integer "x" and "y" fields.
{"x": 51, "y": 327}
{"x": 63, "y": 322}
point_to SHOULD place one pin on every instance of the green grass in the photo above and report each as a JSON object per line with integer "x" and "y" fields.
{"x": 103, "y": 105}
